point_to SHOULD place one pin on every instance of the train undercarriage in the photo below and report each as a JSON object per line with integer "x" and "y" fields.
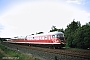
{"x": 53, "y": 46}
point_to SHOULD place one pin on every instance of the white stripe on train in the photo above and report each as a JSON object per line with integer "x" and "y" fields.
{"x": 36, "y": 43}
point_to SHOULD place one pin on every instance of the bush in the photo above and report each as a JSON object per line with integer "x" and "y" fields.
{"x": 13, "y": 53}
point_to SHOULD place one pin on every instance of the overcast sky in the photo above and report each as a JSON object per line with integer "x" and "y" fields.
{"x": 24, "y": 17}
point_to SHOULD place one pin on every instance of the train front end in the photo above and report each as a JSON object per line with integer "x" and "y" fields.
{"x": 58, "y": 39}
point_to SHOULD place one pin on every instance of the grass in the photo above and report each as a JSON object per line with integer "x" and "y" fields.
{"x": 7, "y": 54}
{"x": 1, "y": 55}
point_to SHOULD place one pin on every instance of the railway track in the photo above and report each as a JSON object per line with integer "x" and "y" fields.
{"x": 85, "y": 54}
{"x": 72, "y": 53}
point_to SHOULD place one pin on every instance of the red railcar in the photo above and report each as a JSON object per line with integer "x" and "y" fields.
{"x": 52, "y": 39}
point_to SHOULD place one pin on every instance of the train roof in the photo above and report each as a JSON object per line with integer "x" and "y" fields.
{"x": 43, "y": 34}
{"x": 54, "y": 33}
{"x": 50, "y": 33}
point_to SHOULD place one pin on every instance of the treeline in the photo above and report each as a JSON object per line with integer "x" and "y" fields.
{"x": 76, "y": 36}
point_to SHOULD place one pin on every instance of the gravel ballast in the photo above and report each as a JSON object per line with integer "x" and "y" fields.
{"x": 40, "y": 54}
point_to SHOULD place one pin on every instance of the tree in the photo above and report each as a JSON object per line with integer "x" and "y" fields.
{"x": 39, "y": 33}
{"x": 69, "y": 32}
{"x": 53, "y": 28}
{"x": 32, "y": 34}
{"x": 82, "y": 37}
{"x": 61, "y": 30}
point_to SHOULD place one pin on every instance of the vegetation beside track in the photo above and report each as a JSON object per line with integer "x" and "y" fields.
{"x": 7, "y": 54}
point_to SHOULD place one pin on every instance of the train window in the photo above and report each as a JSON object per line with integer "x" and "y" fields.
{"x": 45, "y": 37}
{"x": 42, "y": 37}
{"x": 53, "y": 36}
{"x": 33, "y": 37}
{"x": 60, "y": 35}
{"x": 30, "y": 38}
{"x": 37, "y": 38}
{"x": 49, "y": 37}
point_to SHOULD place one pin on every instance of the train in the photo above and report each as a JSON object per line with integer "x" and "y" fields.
{"x": 52, "y": 40}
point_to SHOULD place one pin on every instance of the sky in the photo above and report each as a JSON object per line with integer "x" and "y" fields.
{"x": 24, "y": 17}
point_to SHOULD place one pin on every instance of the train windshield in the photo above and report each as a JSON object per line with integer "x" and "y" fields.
{"x": 60, "y": 36}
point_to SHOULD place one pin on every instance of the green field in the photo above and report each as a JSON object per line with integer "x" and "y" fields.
{"x": 7, "y": 54}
